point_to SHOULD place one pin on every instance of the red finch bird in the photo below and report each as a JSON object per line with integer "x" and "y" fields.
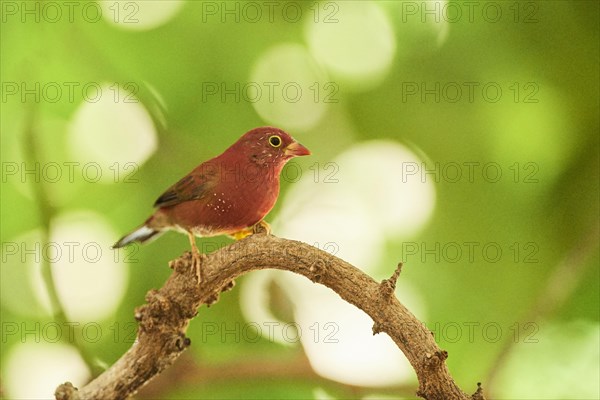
{"x": 226, "y": 195}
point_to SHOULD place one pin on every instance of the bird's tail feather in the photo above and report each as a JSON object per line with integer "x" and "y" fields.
{"x": 142, "y": 234}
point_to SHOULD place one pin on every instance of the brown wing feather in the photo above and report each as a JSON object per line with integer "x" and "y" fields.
{"x": 194, "y": 186}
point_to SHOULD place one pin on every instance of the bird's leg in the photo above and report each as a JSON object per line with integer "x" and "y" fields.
{"x": 260, "y": 227}
{"x": 195, "y": 256}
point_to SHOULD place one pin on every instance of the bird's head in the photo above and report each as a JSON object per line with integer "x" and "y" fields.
{"x": 268, "y": 146}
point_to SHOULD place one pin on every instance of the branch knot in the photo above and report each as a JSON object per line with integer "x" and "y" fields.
{"x": 317, "y": 269}
{"x": 66, "y": 391}
{"x": 377, "y": 328}
{"x": 435, "y": 360}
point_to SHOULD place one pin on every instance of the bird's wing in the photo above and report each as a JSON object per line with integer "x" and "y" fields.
{"x": 194, "y": 186}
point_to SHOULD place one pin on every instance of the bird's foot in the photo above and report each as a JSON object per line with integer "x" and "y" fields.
{"x": 262, "y": 227}
{"x": 241, "y": 234}
{"x": 259, "y": 227}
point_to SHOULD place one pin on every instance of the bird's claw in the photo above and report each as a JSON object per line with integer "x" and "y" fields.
{"x": 262, "y": 227}
{"x": 259, "y": 227}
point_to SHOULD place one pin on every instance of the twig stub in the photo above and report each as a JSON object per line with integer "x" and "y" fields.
{"x": 388, "y": 286}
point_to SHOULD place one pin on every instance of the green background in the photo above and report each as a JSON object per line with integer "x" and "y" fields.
{"x": 549, "y": 129}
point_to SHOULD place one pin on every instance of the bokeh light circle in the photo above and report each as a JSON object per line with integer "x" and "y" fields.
{"x": 89, "y": 276}
{"x": 111, "y": 131}
{"x": 367, "y": 200}
{"x": 372, "y": 193}
{"x": 34, "y": 370}
{"x": 287, "y": 87}
{"x": 139, "y": 15}
{"x": 359, "y": 57}
{"x": 399, "y": 200}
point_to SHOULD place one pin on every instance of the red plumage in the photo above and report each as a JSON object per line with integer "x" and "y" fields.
{"x": 226, "y": 194}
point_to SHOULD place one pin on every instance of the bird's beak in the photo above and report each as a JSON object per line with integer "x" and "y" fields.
{"x": 295, "y": 149}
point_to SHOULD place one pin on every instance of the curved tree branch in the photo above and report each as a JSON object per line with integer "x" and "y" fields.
{"x": 164, "y": 319}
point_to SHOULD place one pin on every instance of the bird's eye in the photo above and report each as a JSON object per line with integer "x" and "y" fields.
{"x": 275, "y": 141}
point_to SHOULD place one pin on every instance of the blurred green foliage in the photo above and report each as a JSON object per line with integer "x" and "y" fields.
{"x": 552, "y": 59}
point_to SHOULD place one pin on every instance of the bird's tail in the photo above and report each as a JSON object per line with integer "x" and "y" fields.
{"x": 141, "y": 234}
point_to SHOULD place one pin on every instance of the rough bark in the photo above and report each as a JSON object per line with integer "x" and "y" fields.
{"x": 164, "y": 319}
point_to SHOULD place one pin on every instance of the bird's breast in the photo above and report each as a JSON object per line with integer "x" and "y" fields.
{"x": 237, "y": 201}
